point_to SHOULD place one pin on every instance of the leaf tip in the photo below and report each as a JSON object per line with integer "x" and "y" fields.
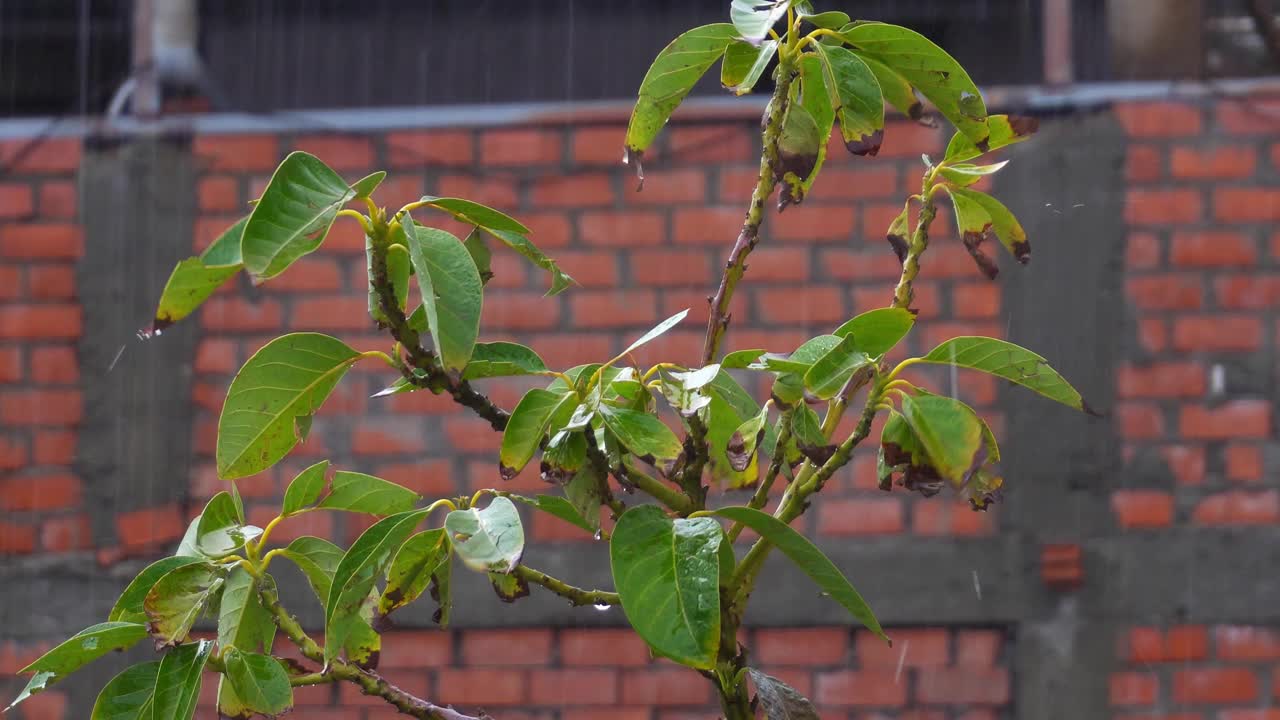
{"x": 866, "y": 144}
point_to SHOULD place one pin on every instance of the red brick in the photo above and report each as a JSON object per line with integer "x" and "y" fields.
{"x": 1167, "y": 379}
{"x": 612, "y": 712}
{"x": 339, "y": 312}
{"x": 802, "y": 647}
{"x": 311, "y": 274}
{"x": 1212, "y": 249}
{"x": 1247, "y": 292}
{"x": 414, "y": 683}
{"x": 1158, "y": 119}
{"x": 41, "y": 407}
{"x": 51, "y": 282}
{"x": 1215, "y": 686}
{"x": 1183, "y": 643}
{"x": 602, "y": 647}
{"x": 54, "y": 365}
{"x": 660, "y": 268}
{"x": 1248, "y": 116}
{"x": 10, "y": 364}
{"x": 942, "y": 516}
{"x": 963, "y": 686}
{"x": 1233, "y": 419}
{"x": 147, "y": 528}
{"x": 219, "y": 193}
{"x": 918, "y": 648}
{"x": 49, "y": 155}
{"x": 695, "y": 144}
{"x": 1238, "y": 507}
{"x": 707, "y": 226}
{"x": 1143, "y": 163}
{"x": 417, "y": 649}
{"x": 40, "y": 492}
{"x": 902, "y": 138}
{"x": 377, "y": 437}
{"x": 62, "y": 241}
{"x": 1243, "y": 715}
{"x": 495, "y": 191}
{"x": 666, "y": 188}
{"x": 507, "y": 647}
{"x": 1218, "y": 163}
{"x": 339, "y": 151}
{"x": 16, "y": 539}
{"x": 1246, "y": 643}
{"x": 1139, "y": 421}
{"x": 598, "y": 145}
{"x": 841, "y": 183}
{"x": 216, "y": 356}
{"x": 1134, "y": 688}
{"x": 591, "y": 268}
{"x": 617, "y": 229}
{"x": 774, "y": 264}
{"x": 1208, "y": 333}
{"x": 668, "y": 686}
{"x": 11, "y": 282}
{"x": 13, "y": 452}
{"x": 861, "y": 689}
{"x": 521, "y": 311}
{"x": 806, "y": 306}
{"x": 871, "y": 516}
{"x": 471, "y": 434}
{"x": 978, "y": 648}
{"x": 430, "y": 148}
{"x": 54, "y": 447}
{"x": 16, "y": 201}
{"x": 237, "y": 152}
{"x": 520, "y": 147}
{"x": 614, "y": 308}
{"x": 809, "y": 223}
{"x": 1165, "y": 292}
{"x": 66, "y": 533}
{"x": 1163, "y": 207}
{"x": 58, "y": 199}
{"x": 1153, "y": 333}
{"x": 1246, "y": 205}
{"x": 482, "y": 687}
{"x": 579, "y": 686}
{"x": 233, "y": 314}
{"x": 586, "y": 190}
{"x": 47, "y": 705}
{"x": 1142, "y": 509}
{"x": 975, "y": 300}
{"x": 1142, "y": 251}
{"x": 1244, "y": 462}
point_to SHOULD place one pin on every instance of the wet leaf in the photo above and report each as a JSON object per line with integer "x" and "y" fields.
{"x": 305, "y": 489}
{"x": 642, "y": 434}
{"x": 221, "y": 531}
{"x": 878, "y": 331}
{"x": 452, "y": 292}
{"x": 740, "y": 359}
{"x": 509, "y": 588}
{"x": 560, "y": 280}
{"x": 289, "y": 377}
{"x": 741, "y": 449}
{"x": 411, "y": 570}
{"x": 754, "y": 18}
{"x": 585, "y": 493}
{"x": 744, "y": 63}
{"x": 487, "y": 539}
{"x": 357, "y": 492}
{"x": 193, "y": 280}
{"x": 365, "y": 186}
{"x": 259, "y": 681}
{"x": 127, "y": 696}
{"x": 565, "y": 454}
{"x": 829, "y": 373}
{"x": 1005, "y": 130}
{"x": 901, "y": 452}
{"x": 525, "y": 429}
{"x": 317, "y": 559}
{"x": 129, "y": 607}
{"x": 293, "y": 216}
{"x": 672, "y": 75}
{"x": 779, "y": 700}
{"x": 178, "y": 681}
{"x": 176, "y": 601}
{"x": 77, "y": 651}
{"x": 502, "y": 359}
{"x": 974, "y": 223}
{"x": 730, "y": 406}
{"x": 1009, "y": 361}
{"x": 929, "y": 69}
{"x": 242, "y": 620}
{"x": 1003, "y": 224}
{"x": 950, "y": 433}
{"x": 855, "y": 93}
{"x": 667, "y": 575}
{"x": 562, "y": 507}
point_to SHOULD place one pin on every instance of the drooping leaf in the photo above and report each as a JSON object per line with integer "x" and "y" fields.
{"x": 754, "y": 18}
{"x": 740, "y": 359}
{"x": 242, "y": 620}
{"x": 741, "y": 449}
{"x": 730, "y": 406}
{"x": 670, "y": 78}
{"x": 829, "y": 373}
{"x": 806, "y": 429}
{"x": 509, "y": 588}
{"x": 644, "y": 435}
{"x": 357, "y": 492}
{"x": 974, "y": 223}
{"x": 411, "y": 570}
{"x": 855, "y": 93}
{"x": 293, "y": 216}
{"x": 897, "y": 91}
{"x": 193, "y": 280}
{"x": 1002, "y": 222}
{"x": 77, "y": 651}
{"x": 966, "y": 174}
{"x": 452, "y": 292}
{"x": 809, "y": 559}
{"x": 364, "y": 562}
{"x": 441, "y": 590}
{"x": 305, "y": 489}
{"x": 221, "y": 530}
{"x": 799, "y": 145}
{"x": 365, "y": 186}
{"x": 1009, "y": 361}
{"x": 129, "y": 607}
{"x": 178, "y": 681}
{"x": 480, "y": 254}
{"x": 128, "y": 695}
{"x": 317, "y": 559}
{"x": 473, "y": 213}
{"x": 929, "y": 69}
{"x": 1005, "y": 130}
{"x": 560, "y": 280}
{"x": 876, "y": 332}
{"x": 667, "y": 575}
{"x": 487, "y": 539}
{"x": 950, "y": 433}
{"x": 525, "y": 429}
{"x": 564, "y": 455}
{"x": 744, "y": 63}
{"x": 564, "y": 508}
{"x": 502, "y": 359}
{"x": 176, "y": 601}
{"x": 816, "y": 98}
{"x": 289, "y": 378}
{"x": 260, "y": 681}
{"x": 779, "y": 700}
{"x": 901, "y": 452}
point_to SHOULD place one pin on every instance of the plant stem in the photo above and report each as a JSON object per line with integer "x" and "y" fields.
{"x": 575, "y": 595}
{"x": 903, "y": 293}
{"x": 736, "y": 266}
{"x": 674, "y": 499}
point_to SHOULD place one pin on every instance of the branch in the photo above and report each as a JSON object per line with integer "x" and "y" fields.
{"x": 371, "y": 683}
{"x": 674, "y": 499}
{"x": 736, "y": 266}
{"x": 577, "y": 596}
{"x": 903, "y": 293}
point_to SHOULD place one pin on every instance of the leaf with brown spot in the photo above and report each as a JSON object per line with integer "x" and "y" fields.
{"x": 855, "y": 94}
{"x": 806, "y": 428}
{"x": 1003, "y": 224}
{"x": 1009, "y": 361}
{"x": 897, "y": 91}
{"x": 1005, "y": 130}
{"x": 509, "y": 588}
{"x": 195, "y": 279}
{"x": 744, "y": 63}
{"x": 742, "y": 446}
{"x": 798, "y": 146}
{"x": 950, "y": 433}
{"x": 412, "y": 569}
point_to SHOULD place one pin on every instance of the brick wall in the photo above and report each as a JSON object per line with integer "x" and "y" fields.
{"x": 1194, "y": 409}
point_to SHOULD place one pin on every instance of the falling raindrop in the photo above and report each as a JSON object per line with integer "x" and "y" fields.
{"x": 977, "y": 586}
{"x": 602, "y": 607}
{"x": 116, "y": 359}
{"x": 599, "y": 535}
{"x": 902, "y": 659}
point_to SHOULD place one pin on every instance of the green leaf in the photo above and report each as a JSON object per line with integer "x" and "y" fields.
{"x": 1000, "y": 221}
{"x": 564, "y": 455}
{"x": 856, "y": 95}
{"x": 657, "y": 331}
{"x": 305, "y": 489}
{"x": 806, "y": 429}
{"x": 77, "y": 651}
{"x": 563, "y": 508}
{"x": 525, "y": 429}
{"x": 754, "y": 18}
{"x": 358, "y": 572}
{"x": 740, "y": 359}
{"x": 876, "y": 332}
{"x": 441, "y": 591}
{"x": 815, "y": 98}
{"x": 452, "y": 292}
{"x": 830, "y": 20}
{"x": 399, "y": 265}
{"x": 809, "y": 559}
{"x": 1005, "y": 130}
{"x": 929, "y": 69}
{"x": 667, "y": 575}
{"x": 744, "y": 63}
{"x": 799, "y": 145}
{"x": 644, "y": 435}
{"x": 128, "y": 694}
{"x": 193, "y": 280}
{"x": 828, "y": 375}
{"x": 480, "y": 254}
{"x": 950, "y": 433}
{"x": 897, "y": 91}
{"x": 221, "y": 530}
{"x": 487, "y": 539}
{"x": 176, "y": 601}
{"x": 741, "y": 449}
{"x": 317, "y": 559}
{"x": 502, "y": 359}
{"x": 178, "y": 681}
{"x": 293, "y": 216}
{"x": 670, "y": 78}
{"x": 129, "y": 607}
{"x": 560, "y": 280}
{"x": 357, "y": 492}
{"x": 779, "y": 700}
{"x": 242, "y": 620}
{"x": 411, "y": 570}
{"x": 473, "y": 213}
{"x": 509, "y": 588}
{"x": 1009, "y": 361}
{"x": 259, "y": 681}
{"x": 974, "y": 223}
{"x": 289, "y": 378}
{"x": 966, "y": 174}
{"x": 363, "y": 645}
{"x": 730, "y": 407}
{"x": 187, "y": 546}
{"x": 901, "y": 452}
{"x": 365, "y": 186}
